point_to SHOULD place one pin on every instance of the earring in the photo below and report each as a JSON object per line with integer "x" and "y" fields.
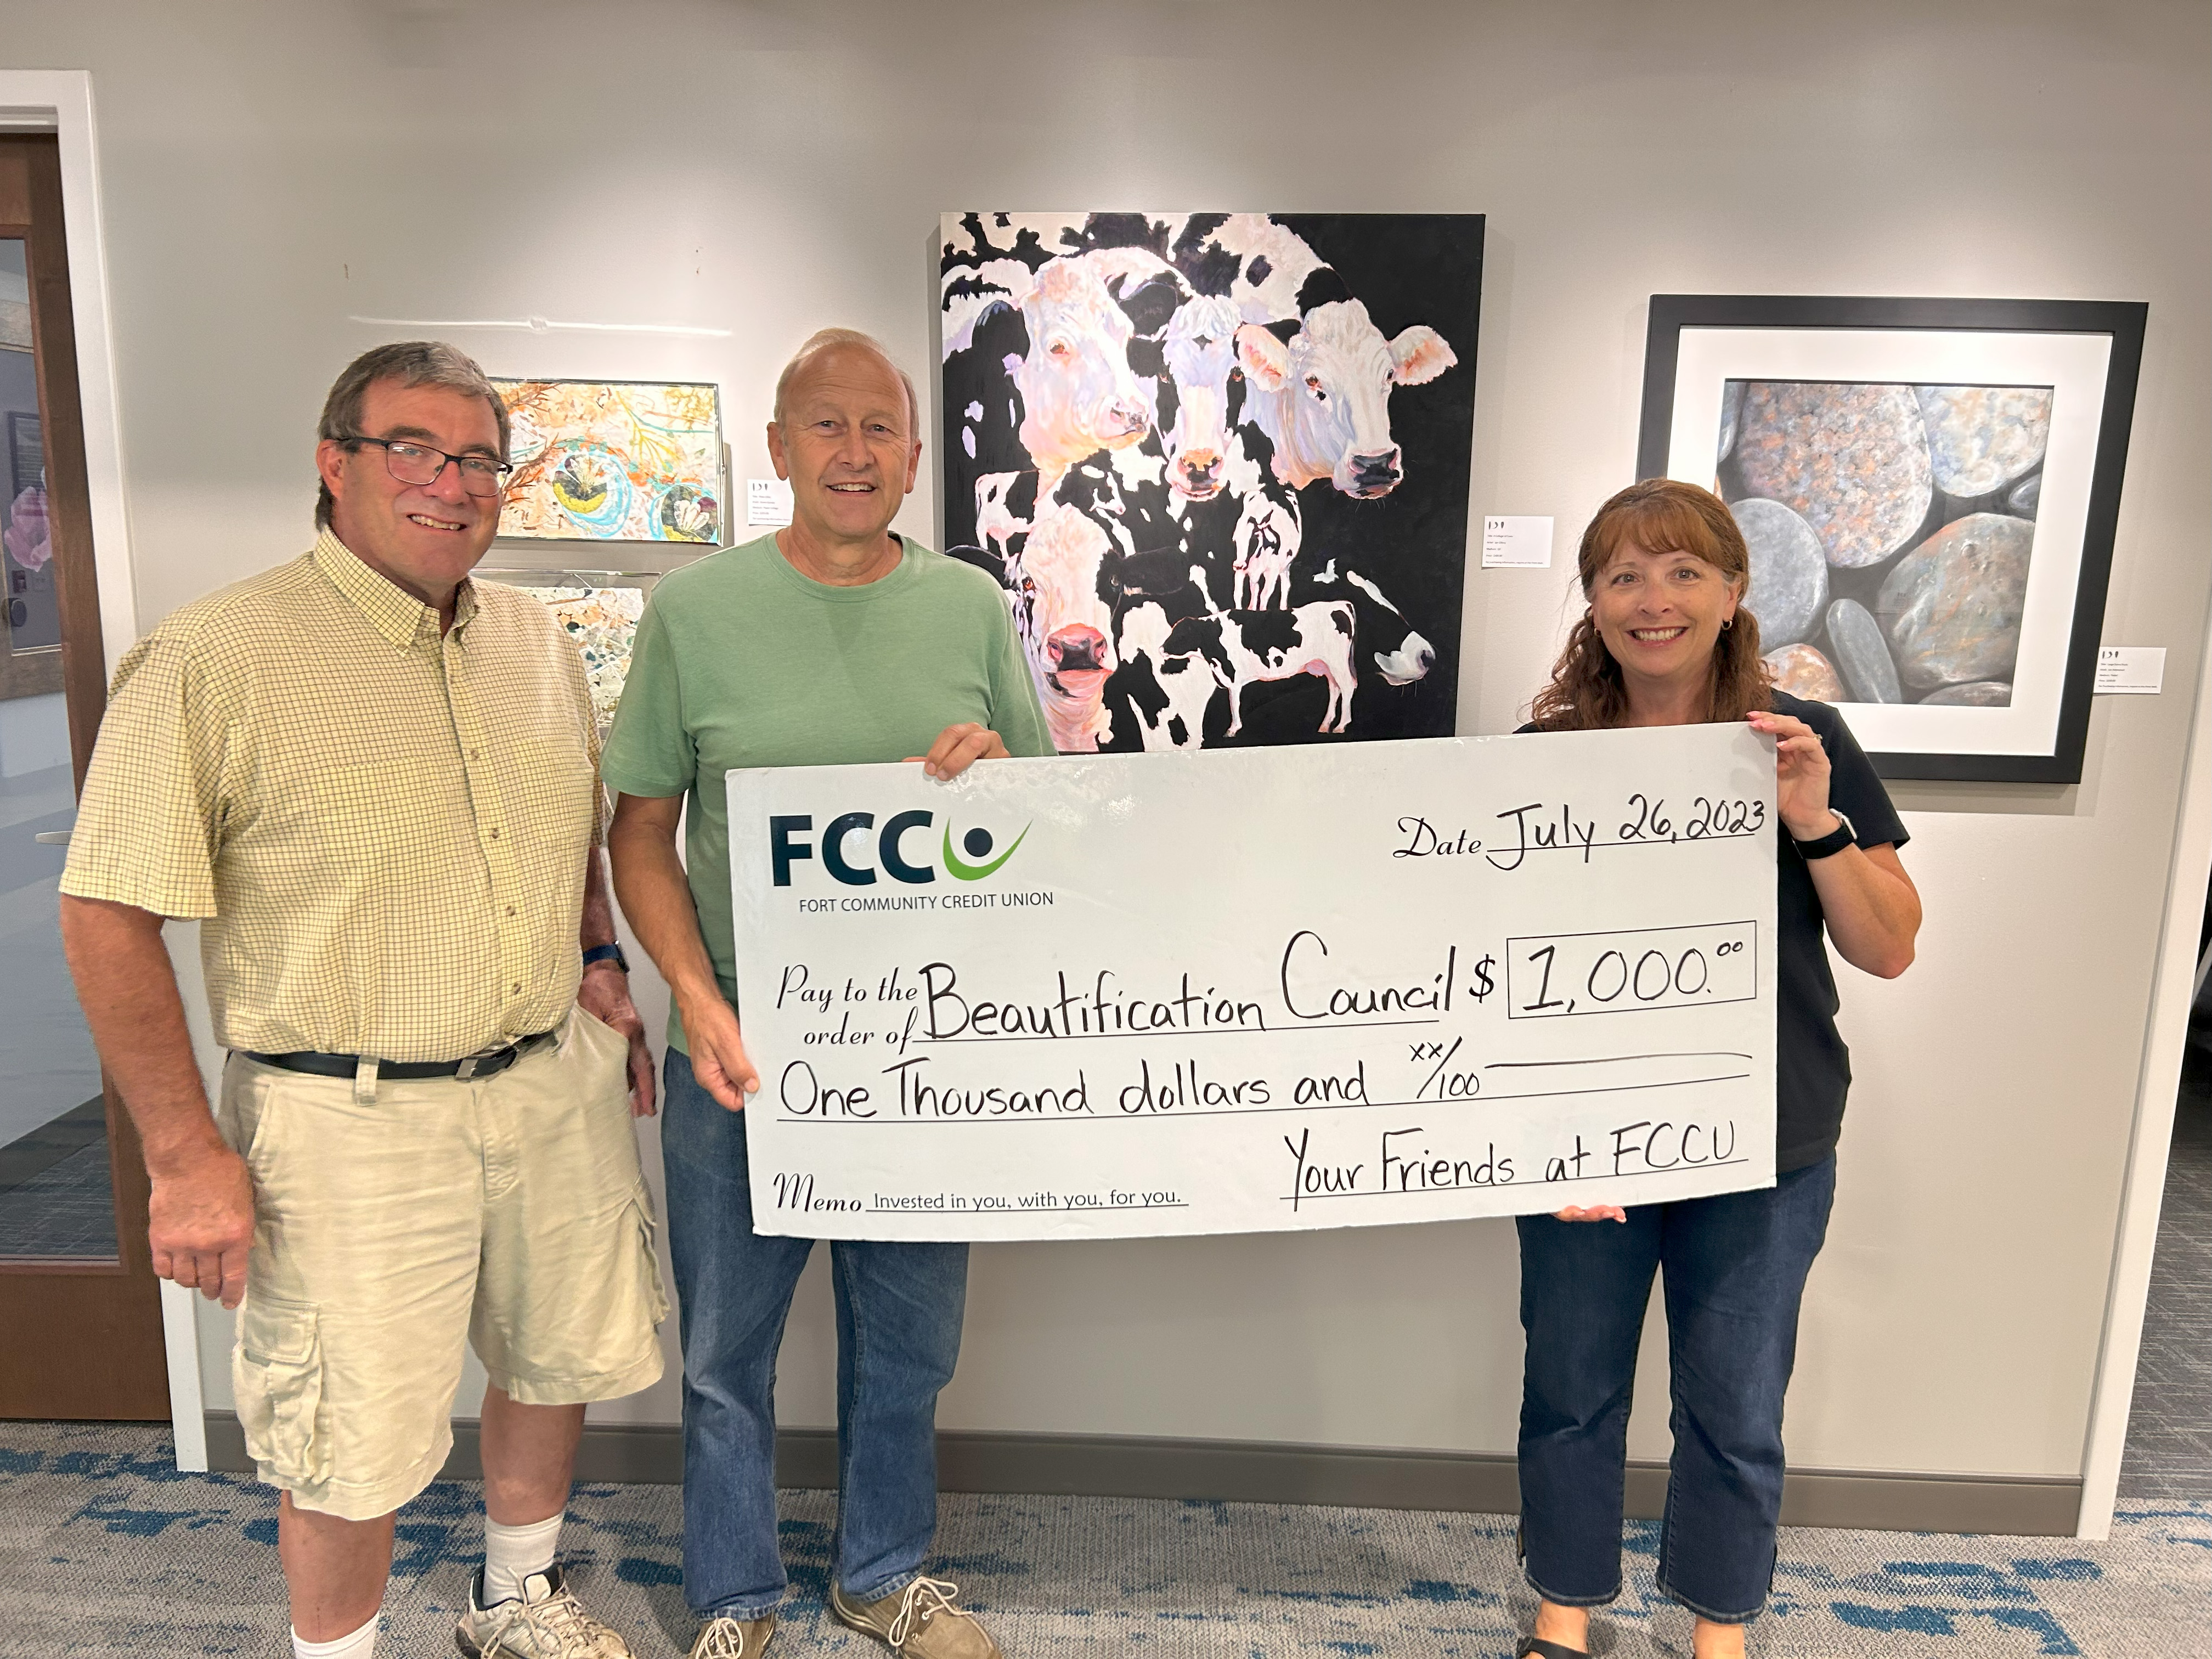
{"x": 1727, "y": 624}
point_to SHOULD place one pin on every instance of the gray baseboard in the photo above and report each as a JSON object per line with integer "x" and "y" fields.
{"x": 1260, "y": 1472}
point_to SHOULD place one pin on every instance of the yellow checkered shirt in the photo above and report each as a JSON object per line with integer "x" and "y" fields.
{"x": 383, "y": 830}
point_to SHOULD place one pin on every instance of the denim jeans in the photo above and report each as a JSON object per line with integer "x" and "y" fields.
{"x": 1735, "y": 1267}
{"x": 898, "y": 1333}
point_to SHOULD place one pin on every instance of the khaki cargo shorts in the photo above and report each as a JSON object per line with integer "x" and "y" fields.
{"x": 506, "y": 1212}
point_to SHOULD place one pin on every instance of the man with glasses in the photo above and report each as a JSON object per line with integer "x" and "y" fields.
{"x": 373, "y": 782}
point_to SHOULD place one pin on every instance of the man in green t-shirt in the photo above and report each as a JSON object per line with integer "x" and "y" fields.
{"x": 831, "y": 641}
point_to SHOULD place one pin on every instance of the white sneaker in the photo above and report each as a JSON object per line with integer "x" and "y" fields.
{"x": 546, "y": 1621}
{"x": 734, "y": 1638}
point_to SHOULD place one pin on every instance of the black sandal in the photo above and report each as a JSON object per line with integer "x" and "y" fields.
{"x": 1535, "y": 1647}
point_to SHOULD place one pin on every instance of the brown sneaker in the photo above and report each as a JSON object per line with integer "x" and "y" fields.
{"x": 733, "y": 1639}
{"x": 922, "y": 1621}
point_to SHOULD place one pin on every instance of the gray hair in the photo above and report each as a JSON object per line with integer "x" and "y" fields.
{"x": 412, "y": 363}
{"x": 831, "y": 339}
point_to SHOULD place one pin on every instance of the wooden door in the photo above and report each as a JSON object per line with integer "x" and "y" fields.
{"x": 79, "y": 1305}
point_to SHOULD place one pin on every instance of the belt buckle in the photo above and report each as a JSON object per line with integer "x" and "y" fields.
{"x": 470, "y": 1063}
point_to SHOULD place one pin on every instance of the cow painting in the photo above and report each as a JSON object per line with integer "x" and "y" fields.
{"x": 1323, "y": 397}
{"x": 1219, "y": 463}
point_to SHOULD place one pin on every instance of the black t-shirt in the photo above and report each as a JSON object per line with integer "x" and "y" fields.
{"x": 1812, "y": 1066}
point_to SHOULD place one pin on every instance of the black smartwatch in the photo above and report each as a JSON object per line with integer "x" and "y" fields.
{"x": 1834, "y": 841}
{"x": 611, "y": 951}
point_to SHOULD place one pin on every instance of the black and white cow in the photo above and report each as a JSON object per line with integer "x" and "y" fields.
{"x": 1396, "y": 650}
{"x": 1164, "y": 695}
{"x": 1104, "y": 540}
{"x": 1035, "y": 385}
{"x": 1265, "y": 269}
{"x": 1249, "y": 647}
{"x": 1323, "y": 395}
{"x": 1322, "y": 372}
{"x": 1243, "y": 523}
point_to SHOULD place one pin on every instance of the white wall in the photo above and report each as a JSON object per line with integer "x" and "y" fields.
{"x": 272, "y": 169}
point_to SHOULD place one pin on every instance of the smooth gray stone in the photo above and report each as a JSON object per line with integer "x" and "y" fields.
{"x": 1951, "y": 606}
{"x": 1855, "y": 642}
{"x": 1851, "y": 460}
{"x": 1731, "y": 412}
{"x": 1788, "y": 570}
{"x": 1804, "y": 672}
{"x": 1980, "y": 438}
{"x": 2026, "y": 496}
{"x": 1976, "y": 694}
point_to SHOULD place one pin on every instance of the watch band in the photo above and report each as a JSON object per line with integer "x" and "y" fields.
{"x": 611, "y": 951}
{"x": 1834, "y": 841}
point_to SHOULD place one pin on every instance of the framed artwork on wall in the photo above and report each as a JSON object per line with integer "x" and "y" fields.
{"x": 1928, "y": 488}
{"x": 613, "y": 461}
{"x": 1218, "y": 461}
{"x": 599, "y": 611}
{"x": 31, "y": 605}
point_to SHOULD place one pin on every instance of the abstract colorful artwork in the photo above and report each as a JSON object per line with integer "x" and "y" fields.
{"x": 599, "y": 611}
{"x": 1218, "y": 461}
{"x": 613, "y": 461}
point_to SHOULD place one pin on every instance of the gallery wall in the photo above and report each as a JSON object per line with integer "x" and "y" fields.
{"x": 275, "y": 172}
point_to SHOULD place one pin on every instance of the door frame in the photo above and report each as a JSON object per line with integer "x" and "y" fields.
{"x": 2173, "y": 988}
{"x": 59, "y": 102}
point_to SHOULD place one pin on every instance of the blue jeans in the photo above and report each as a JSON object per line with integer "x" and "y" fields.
{"x": 898, "y": 1335}
{"x": 1736, "y": 1268}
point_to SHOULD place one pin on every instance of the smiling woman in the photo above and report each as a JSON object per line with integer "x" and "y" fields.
{"x": 1667, "y": 642}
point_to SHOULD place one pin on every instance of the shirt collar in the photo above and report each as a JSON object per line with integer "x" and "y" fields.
{"x": 392, "y": 611}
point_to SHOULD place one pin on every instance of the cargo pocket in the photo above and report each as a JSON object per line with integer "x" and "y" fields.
{"x": 653, "y": 1299}
{"x": 279, "y": 1379}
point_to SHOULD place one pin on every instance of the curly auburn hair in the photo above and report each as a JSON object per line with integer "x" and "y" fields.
{"x": 1660, "y": 515}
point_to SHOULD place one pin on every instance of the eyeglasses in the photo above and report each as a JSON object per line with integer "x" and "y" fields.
{"x": 419, "y": 463}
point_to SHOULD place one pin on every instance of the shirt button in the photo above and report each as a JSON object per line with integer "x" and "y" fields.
{"x": 476, "y": 754}
{"x": 494, "y": 834}
{"x": 516, "y": 991}
{"x": 510, "y": 910}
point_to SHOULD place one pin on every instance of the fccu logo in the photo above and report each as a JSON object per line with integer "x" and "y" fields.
{"x": 787, "y": 845}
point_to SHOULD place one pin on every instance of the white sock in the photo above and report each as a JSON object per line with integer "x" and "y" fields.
{"x": 361, "y": 1644}
{"x": 512, "y": 1553}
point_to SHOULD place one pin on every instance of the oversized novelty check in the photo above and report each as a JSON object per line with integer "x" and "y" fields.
{"x": 1242, "y": 990}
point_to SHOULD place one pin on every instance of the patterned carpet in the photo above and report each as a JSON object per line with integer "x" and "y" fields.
{"x": 105, "y": 1549}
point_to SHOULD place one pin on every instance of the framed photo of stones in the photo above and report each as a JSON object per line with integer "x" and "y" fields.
{"x": 1928, "y": 489}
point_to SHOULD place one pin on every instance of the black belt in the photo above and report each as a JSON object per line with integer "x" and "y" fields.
{"x": 467, "y": 1067}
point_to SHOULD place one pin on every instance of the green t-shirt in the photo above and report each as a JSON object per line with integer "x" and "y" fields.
{"x": 741, "y": 661}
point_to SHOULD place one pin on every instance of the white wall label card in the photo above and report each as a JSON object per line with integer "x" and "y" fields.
{"x": 768, "y": 501}
{"x": 2138, "y": 668}
{"x": 1516, "y": 544}
{"x": 1244, "y": 990}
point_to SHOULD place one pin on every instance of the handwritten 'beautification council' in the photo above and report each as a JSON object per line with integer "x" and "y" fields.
{"x": 1247, "y": 990}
